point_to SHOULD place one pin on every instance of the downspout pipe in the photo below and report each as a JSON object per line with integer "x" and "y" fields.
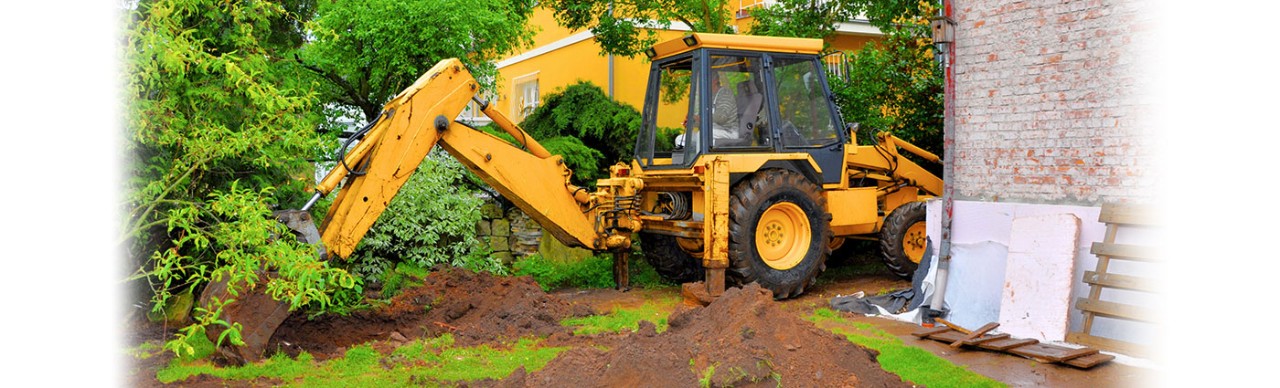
{"x": 937, "y": 309}
{"x": 611, "y": 58}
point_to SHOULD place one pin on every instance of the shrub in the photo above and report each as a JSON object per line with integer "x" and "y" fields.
{"x": 432, "y": 220}
{"x": 584, "y": 112}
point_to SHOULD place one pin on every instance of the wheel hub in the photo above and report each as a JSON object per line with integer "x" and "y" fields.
{"x": 783, "y": 235}
{"x": 913, "y": 242}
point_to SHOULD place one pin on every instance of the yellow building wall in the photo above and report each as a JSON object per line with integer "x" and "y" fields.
{"x": 583, "y": 61}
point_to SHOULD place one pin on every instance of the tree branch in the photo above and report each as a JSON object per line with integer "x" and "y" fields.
{"x": 346, "y": 87}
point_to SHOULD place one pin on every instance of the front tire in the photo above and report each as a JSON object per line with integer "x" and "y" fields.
{"x": 902, "y": 239}
{"x": 779, "y": 231}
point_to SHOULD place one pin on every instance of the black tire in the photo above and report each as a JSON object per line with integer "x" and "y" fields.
{"x": 748, "y": 202}
{"x": 672, "y": 263}
{"x": 893, "y": 236}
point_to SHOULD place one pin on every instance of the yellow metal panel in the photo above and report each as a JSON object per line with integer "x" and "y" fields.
{"x": 397, "y": 148}
{"x": 535, "y": 185}
{"x": 737, "y": 42}
{"x": 715, "y": 227}
{"x": 853, "y": 207}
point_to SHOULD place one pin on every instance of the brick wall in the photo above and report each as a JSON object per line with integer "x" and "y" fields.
{"x": 1050, "y": 102}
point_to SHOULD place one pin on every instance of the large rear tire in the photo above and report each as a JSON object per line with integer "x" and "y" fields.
{"x": 672, "y": 263}
{"x": 902, "y": 239}
{"x": 779, "y": 232}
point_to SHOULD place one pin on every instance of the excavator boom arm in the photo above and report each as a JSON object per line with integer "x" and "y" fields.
{"x": 411, "y": 125}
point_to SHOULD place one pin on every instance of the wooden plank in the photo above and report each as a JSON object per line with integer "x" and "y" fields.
{"x": 931, "y": 331}
{"x": 953, "y": 326}
{"x": 1119, "y": 281}
{"x": 986, "y": 338}
{"x": 1051, "y": 353}
{"x": 947, "y": 336}
{"x": 1123, "y": 251}
{"x": 1116, "y": 310}
{"x": 975, "y": 334}
{"x": 1108, "y": 344}
{"x": 1126, "y": 215}
{"x": 1006, "y": 344}
{"x": 1089, "y": 361}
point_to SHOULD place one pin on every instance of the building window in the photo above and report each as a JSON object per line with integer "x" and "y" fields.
{"x": 525, "y": 96}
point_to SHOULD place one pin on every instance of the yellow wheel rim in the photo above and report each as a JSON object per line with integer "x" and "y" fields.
{"x": 913, "y": 242}
{"x": 783, "y": 235}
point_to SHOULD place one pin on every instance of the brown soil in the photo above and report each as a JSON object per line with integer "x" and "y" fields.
{"x": 743, "y": 337}
{"x": 476, "y": 308}
{"x": 750, "y": 339}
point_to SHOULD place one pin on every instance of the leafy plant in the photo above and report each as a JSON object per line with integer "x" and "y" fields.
{"x": 431, "y": 221}
{"x": 218, "y": 137}
{"x": 584, "y": 115}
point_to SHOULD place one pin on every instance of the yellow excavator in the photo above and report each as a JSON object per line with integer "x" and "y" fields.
{"x": 743, "y": 172}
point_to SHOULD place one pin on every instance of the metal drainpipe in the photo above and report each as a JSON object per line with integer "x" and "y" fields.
{"x": 937, "y": 309}
{"x": 611, "y": 58}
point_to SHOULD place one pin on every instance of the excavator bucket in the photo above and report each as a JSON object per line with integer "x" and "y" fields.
{"x": 257, "y": 313}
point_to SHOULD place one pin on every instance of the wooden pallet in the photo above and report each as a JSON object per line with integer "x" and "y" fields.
{"x": 1116, "y": 217}
{"x": 1083, "y": 358}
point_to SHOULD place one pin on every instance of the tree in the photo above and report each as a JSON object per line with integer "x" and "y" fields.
{"x": 216, "y": 140}
{"x": 626, "y": 27}
{"x": 801, "y": 18}
{"x": 366, "y": 51}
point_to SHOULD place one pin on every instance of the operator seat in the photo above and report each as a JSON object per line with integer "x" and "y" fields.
{"x": 750, "y": 101}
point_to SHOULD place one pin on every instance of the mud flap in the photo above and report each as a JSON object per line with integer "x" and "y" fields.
{"x": 257, "y": 313}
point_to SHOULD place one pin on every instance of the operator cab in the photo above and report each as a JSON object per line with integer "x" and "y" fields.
{"x": 713, "y": 93}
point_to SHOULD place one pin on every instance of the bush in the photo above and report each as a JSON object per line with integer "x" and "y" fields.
{"x": 432, "y": 220}
{"x": 584, "y": 112}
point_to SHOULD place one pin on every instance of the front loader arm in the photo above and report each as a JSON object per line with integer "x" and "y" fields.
{"x": 410, "y": 126}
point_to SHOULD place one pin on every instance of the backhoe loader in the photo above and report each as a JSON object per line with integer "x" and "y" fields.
{"x": 743, "y": 172}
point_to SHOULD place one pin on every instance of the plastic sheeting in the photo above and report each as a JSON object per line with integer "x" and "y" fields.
{"x": 903, "y": 305}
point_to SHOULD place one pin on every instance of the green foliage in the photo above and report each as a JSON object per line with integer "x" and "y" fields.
{"x": 911, "y": 363}
{"x": 218, "y": 136}
{"x": 431, "y": 221}
{"x": 594, "y": 272}
{"x": 801, "y": 18}
{"x": 366, "y": 51}
{"x": 653, "y": 310}
{"x": 425, "y": 361}
{"x": 620, "y": 25}
{"x": 582, "y": 114}
{"x": 896, "y": 88}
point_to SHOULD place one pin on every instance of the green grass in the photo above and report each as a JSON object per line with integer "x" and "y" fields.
{"x": 654, "y": 310}
{"x": 422, "y": 361}
{"x": 911, "y": 363}
{"x": 592, "y": 272}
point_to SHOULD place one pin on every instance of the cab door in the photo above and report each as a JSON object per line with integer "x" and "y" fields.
{"x": 804, "y": 113}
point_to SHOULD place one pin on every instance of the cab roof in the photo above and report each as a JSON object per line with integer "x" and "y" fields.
{"x": 734, "y": 42}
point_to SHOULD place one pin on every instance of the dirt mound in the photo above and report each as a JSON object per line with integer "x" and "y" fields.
{"x": 475, "y": 307}
{"x": 741, "y": 339}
